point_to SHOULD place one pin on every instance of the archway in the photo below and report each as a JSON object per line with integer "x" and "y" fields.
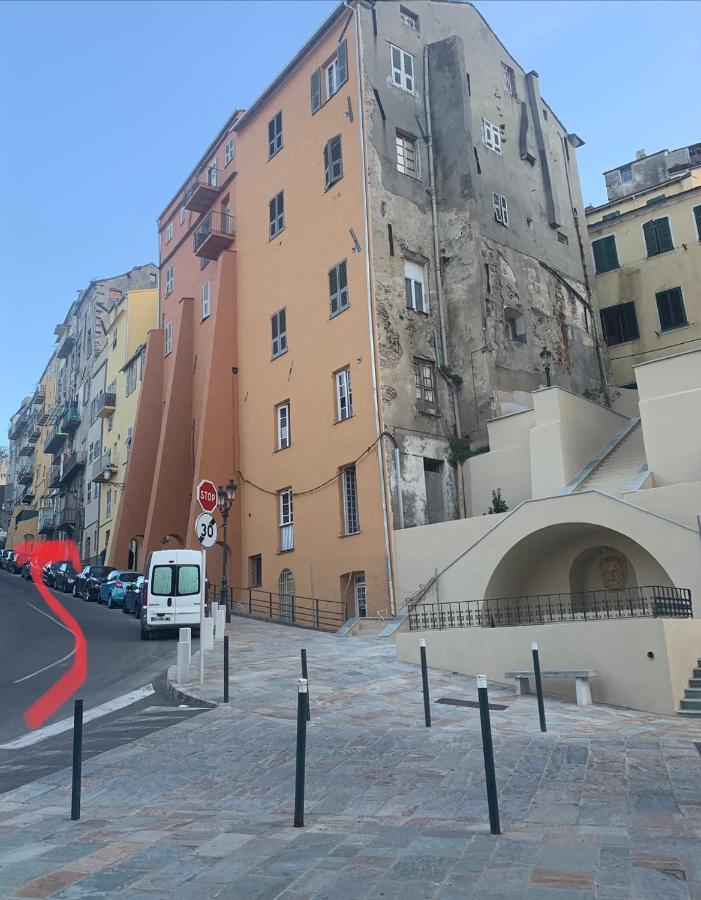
{"x": 135, "y": 552}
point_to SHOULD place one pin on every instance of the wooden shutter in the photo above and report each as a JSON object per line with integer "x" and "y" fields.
{"x": 316, "y": 90}
{"x": 342, "y": 63}
{"x": 650, "y": 235}
{"x": 327, "y": 163}
{"x": 631, "y": 322}
{"x": 697, "y": 216}
{"x": 664, "y": 235}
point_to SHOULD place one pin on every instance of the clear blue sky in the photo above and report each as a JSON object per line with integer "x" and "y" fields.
{"x": 105, "y": 106}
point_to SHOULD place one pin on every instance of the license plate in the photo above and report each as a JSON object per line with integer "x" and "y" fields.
{"x": 164, "y": 617}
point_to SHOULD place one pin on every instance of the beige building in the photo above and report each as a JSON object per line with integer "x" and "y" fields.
{"x": 647, "y": 258}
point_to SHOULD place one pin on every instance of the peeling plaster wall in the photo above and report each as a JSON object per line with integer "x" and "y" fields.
{"x": 484, "y": 267}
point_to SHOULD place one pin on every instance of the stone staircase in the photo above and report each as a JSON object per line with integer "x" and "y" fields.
{"x": 691, "y": 703}
{"x": 369, "y": 627}
{"x": 619, "y": 467}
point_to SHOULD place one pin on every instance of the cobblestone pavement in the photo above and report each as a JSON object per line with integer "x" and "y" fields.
{"x": 607, "y": 804}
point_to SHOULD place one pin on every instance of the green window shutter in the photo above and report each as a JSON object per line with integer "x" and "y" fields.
{"x": 598, "y": 256}
{"x": 630, "y": 321}
{"x": 650, "y": 235}
{"x": 697, "y": 216}
{"x": 606, "y": 325}
{"x": 342, "y": 63}
{"x": 664, "y": 235}
{"x": 605, "y": 254}
{"x": 316, "y": 90}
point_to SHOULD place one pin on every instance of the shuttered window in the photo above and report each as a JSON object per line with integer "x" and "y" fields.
{"x": 329, "y": 78}
{"x": 605, "y": 254}
{"x": 287, "y": 541}
{"x": 620, "y": 323}
{"x": 338, "y": 288}
{"x": 279, "y": 332}
{"x": 670, "y": 308}
{"x": 275, "y": 134}
{"x": 276, "y": 215}
{"x": 697, "y": 219}
{"x": 333, "y": 161}
{"x": 501, "y": 209}
{"x": 658, "y": 236}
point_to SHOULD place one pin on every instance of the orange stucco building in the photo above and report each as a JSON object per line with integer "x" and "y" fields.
{"x": 315, "y": 343}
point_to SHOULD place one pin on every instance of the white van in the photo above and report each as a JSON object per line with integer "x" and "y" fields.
{"x": 172, "y": 591}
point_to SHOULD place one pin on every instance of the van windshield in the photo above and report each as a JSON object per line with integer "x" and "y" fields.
{"x": 164, "y": 580}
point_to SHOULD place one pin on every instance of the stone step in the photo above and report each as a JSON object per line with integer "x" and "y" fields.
{"x": 695, "y": 682}
{"x": 697, "y": 673}
{"x": 691, "y": 713}
{"x": 693, "y": 693}
{"x": 691, "y": 704}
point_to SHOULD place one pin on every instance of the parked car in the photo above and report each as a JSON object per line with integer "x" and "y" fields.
{"x": 114, "y": 587}
{"x": 64, "y": 579}
{"x": 133, "y": 597}
{"x": 49, "y": 571}
{"x": 8, "y": 557}
{"x": 87, "y": 583}
{"x": 173, "y": 591}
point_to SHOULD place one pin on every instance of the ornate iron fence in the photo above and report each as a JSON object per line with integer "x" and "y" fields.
{"x": 541, "y": 609}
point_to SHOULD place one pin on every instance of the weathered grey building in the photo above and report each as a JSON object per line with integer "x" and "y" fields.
{"x": 648, "y": 170}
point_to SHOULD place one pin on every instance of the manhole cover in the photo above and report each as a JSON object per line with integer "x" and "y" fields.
{"x": 473, "y": 704}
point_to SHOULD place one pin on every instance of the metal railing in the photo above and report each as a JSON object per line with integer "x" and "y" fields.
{"x": 70, "y": 419}
{"x": 106, "y": 462}
{"x": 213, "y": 223}
{"x": 210, "y": 177}
{"x": 290, "y": 609}
{"x": 541, "y": 609}
{"x": 72, "y": 463}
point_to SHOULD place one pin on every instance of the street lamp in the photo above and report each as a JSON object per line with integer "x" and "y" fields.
{"x": 546, "y": 358}
{"x": 225, "y": 499}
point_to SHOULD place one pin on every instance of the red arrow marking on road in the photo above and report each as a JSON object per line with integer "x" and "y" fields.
{"x": 39, "y": 554}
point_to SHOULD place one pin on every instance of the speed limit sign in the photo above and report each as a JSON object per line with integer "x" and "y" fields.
{"x": 206, "y": 530}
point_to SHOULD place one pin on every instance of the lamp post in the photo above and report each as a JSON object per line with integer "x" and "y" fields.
{"x": 546, "y": 357}
{"x": 225, "y": 500}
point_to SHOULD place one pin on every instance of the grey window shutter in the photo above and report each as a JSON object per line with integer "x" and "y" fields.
{"x": 407, "y": 291}
{"x": 650, "y": 234}
{"x": 327, "y": 163}
{"x": 342, "y": 63}
{"x": 664, "y": 235}
{"x": 697, "y": 216}
{"x": 631, "y": 322}
{"x": 316, "y": 90}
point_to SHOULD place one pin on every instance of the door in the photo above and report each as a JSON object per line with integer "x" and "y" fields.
{"x": 361, "y": 604}
{"x": 187, "y": 594}
{"x": 286, "y": 595}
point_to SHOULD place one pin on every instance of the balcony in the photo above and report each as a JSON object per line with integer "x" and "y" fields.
{"x": 105, "y": 468}
{"x": 42, "y": 417}
{"x": 55, "y": 473}
{"x": 26, "y": 449}
{"x": 56, "y": 438}
{"x": 25, "y": 472}
{"x": 213, "y": 235}
{"x": 72, "y": 464}
{"x": 65, "y": 346}
{"x": 67, "y": 515}
{"x": 19, "y": 426}
{"x": 70, "y": 420}
{"x": 105, "y": 404}
{"x": 46, "y": 520}
{"x": 203, "y": 190}
{"x": 33, "y": 433}
{"x": 39, "y": 396}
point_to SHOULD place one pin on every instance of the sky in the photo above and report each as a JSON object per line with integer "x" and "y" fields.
{"x": 106, "y": 106}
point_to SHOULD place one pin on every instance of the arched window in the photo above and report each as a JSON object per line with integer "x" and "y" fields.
{"x": 286, "y": 591}
{"x": 515, "y": 324}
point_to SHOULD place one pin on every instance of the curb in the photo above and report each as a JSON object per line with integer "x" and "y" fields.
{"x": 176, "y": 693}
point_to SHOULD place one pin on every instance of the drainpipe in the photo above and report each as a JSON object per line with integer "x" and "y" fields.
{"x": 457, "y": 427}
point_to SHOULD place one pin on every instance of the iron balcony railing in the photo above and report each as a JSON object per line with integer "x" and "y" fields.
{"x": 72, "y": 464}
{"x": 585, "y": 606}
{"x": 213, "y": 224}
{"x": 56, "y": 438}
{"x": 290, "y": 609}
{"x": 203, "y": 190}
{"x": 46, "y": 519}
{"x": 105, "y": 465}
{"x": 71, "y": 419}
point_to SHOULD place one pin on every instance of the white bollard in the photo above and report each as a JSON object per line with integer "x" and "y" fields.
{"x": 182, "y": 662}
{"x": 209, "y": 633}
{"x": 185, "y": 637}
{"x": 220, "y": 623}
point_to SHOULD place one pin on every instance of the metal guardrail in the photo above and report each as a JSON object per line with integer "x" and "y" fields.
{"x": 290, "y": 609}
{"x": 213, "y": 223}
{"x": 542, "y": 609}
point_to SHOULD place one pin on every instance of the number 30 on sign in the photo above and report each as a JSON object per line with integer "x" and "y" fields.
{"x": 206, "y": 530}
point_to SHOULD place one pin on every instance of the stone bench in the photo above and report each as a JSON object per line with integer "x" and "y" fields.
{"x": 581, "y": 679}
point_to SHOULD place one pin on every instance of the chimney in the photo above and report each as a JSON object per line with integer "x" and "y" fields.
{"x": 641, "y": 154}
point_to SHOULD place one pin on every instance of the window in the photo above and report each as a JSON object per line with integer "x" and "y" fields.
{"x": 182, "y": 214}
{"x": 351, "y": 521}
{"x": 658, "y": 236}
{"x": 110, "y": 423}
{"x": 282, "y": 420}
{"x": 114, "y": 339}
{"x": 407, "y": 155}
{"x": 344, "y": 395}
{"x": 620, "y": 323}
{"x": 410, "y": 19}
{"x": 501, "y": 209}
{"x": 333, "y": 161}
{"x": 697, "y": 219}
{"x": 188, "y": 580}
{"x": 255, "y": 570}
{"x": 276, "y": 217}
{"x": 402, "y": 69}
{"x": 169, "y": 338}
{"x": 89, "y": 494}
{"x": 361, "y": 600}
{"x": 491, "y": 136}
{"x": 212, "y": 173}
{"x": 130, "y": 378}
{"x": 338, "y": 288}
{"x": 415, "y": 286}
{"x": 169, "y": 232}
{"x": 228, "y": 151}
{"x": 108, "y": 503}
{"x": 605, "y": 254}
{"x": 515, "y": 325}
{"x": 658, "y": 199}
{"x": 425, "y": 379}
{"x": 175, "y": 580}
{"x": 509, "y": 78}
{"x": 279, "y": 332}
{"x": 330, "y": 77}
{"x": 670, "y": 308}
{"x": 275, "y": 134}
{"x": 287, "y": 540}
{"x": 626, "y": 173}
{"x": 286, "y": 595}
{"x": 170, "y": 280}
{"x": 205, "y": 300}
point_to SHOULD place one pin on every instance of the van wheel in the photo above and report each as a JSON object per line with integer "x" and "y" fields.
{"x": 145, "y": 635}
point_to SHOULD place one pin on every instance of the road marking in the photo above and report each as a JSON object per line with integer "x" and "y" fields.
{"x": 50, "y": 617}
{"x": 41, "y": 734}
{"x": 50, "y": 666}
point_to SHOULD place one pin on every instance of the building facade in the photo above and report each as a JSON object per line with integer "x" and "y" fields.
{"x": 646, "y": 242}
{"x": 361, "y": 270}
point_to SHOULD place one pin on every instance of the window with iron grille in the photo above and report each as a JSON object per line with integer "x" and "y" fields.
{"x": 407, "y": 155}
{"x": 333, "y": 161}
{"x": 415, "y": 286}
{"x": 605, "y": 254}
{"x": 509, "y": 78}
{"x": 276, "y": 216}
{"x": 425, "y": 379}
{"x": 168, "y": 338}
{"x": 491, "y": 136}
{"x": 275, "y": 134}
{"x": 228, "y": 151}
{"x": 409, "y": 18}
{"x": 287, "y": 540}
{"x": 658, "y": 236}
{"x": 351, "y": 520}
{"x": 344, "y": 395}
{"x": 282, "y": 420}
{"x": 278, "y": 322}
{"x": 170, "y": 280}
{"x": 501, "y": 209}
{"x": 402, "y": 69}
{"x": 670, "y": 308}
{"x": 338, "y": 288}
{"x": 620, "y": 323}
{"x": 205, "y": 300}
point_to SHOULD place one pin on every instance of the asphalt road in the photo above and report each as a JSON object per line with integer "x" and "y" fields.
{"x": 36, "y": 649}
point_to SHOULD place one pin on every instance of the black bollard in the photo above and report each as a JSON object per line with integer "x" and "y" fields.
{"x": 424, "y": 680}
{"x": 226, "y": 668}
{"x": 538, "y": 686}
{"x": 77, "y": 758}
{"x": 305, "y": 675}
{"x": 301, "y": 751}
{"x": 488, "y": 751}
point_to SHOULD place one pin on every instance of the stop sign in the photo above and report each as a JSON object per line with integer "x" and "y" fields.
{"x": 207, "y": 495}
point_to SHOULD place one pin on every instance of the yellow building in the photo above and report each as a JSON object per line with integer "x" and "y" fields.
{"x": 646, "y": 242}
{"x": 131, "y": 318}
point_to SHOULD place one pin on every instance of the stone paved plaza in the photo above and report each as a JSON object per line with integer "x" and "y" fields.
{"x": 607, "y": 804}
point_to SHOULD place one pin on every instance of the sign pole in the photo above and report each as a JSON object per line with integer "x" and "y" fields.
{"x": 203, "y": 597}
